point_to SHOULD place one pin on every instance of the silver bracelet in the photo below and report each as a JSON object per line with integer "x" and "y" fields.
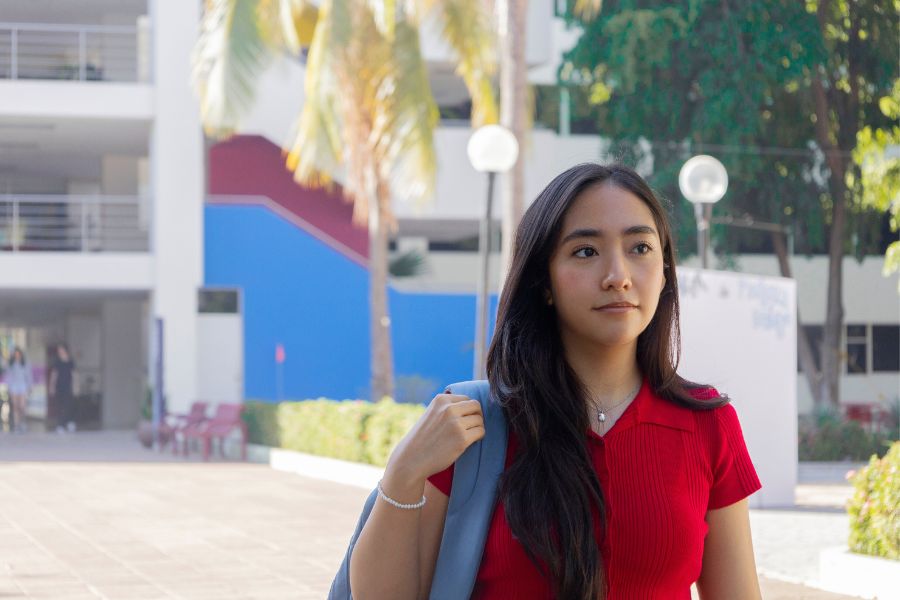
{"x": 393, "y": 502}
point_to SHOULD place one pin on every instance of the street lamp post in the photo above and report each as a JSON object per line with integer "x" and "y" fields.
{"x": 703, "y": 181}
{"x": 492, "y": 149}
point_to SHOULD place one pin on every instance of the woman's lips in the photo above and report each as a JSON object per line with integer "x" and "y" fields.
{"x": 618, "y": 307}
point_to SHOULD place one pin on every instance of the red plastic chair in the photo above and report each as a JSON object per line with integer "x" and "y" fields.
{"x": 179, "y": 423}
{"x": 861, "y": 413}
{"x": 227, "y": 419}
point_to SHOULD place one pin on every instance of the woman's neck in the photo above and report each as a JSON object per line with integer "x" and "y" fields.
{"x": 609, "y": 374}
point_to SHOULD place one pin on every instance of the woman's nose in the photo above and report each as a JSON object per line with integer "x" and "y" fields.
{"x": 617, "y": 276}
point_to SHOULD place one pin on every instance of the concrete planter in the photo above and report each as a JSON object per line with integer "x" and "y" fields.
{"x": 319, "y": 467}
{"x": 844, "y": 572}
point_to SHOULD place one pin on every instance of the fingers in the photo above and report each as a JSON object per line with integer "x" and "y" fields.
{"x": 471, "y": 421}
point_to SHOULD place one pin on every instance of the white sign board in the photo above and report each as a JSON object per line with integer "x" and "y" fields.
{"x": 739, "y": 334}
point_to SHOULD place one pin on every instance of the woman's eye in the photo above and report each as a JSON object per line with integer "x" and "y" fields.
{"x": 643, "y": 248}
{"x": 585, "y": 252}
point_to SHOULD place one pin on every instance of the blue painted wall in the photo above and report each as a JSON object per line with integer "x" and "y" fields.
{"x": 299, "y": 292}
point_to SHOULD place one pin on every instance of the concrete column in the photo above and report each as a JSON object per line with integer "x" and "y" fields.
{"x": 123, "y": 362}
{"x": 177, "y": 183}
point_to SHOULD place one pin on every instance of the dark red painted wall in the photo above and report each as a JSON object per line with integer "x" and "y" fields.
{"x": 252, "y": 165}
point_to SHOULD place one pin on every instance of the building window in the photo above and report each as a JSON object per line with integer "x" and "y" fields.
{"x": 814, "y": 335}
{"x": 857, "y": 345}
{"x": 886, "y": 348}
{"x": 220, "y": 301}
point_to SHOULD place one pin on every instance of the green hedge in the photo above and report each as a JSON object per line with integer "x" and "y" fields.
{"x": 875, "y": 507}
{"x": 352, "y": 430}
{"x": 826, "y": 436}
{"x": 262, "y": 423}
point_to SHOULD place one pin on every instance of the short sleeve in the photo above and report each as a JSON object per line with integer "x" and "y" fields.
{"x": 734, "y": 476}
{"x": 443, "y": 480}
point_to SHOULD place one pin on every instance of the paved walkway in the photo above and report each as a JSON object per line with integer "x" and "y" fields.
{"x": 94, "y": 515}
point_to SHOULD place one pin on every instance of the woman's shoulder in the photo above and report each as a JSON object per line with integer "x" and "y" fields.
{"x": 719, "y": 418}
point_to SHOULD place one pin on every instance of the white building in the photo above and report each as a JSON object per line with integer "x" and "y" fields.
{"x": 101, "y": 188}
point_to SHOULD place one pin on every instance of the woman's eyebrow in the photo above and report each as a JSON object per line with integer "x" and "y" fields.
{"x": 598, "y": 233}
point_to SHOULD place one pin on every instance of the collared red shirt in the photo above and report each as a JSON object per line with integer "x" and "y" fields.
{"x": 661, "y": 467}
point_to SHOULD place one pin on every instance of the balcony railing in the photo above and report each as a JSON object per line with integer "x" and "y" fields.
{"x": 33, "y": 223}
{"x": 77, "y": 52}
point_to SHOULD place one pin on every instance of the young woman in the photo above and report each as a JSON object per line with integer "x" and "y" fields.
{"x": 622, "y": 480}
{"x": 62, "y": 385}
{"x": 19, "y": 383}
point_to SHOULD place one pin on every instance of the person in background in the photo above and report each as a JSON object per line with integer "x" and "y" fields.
{"x": 19, "y": 384}
{"x": 62, "y": 384}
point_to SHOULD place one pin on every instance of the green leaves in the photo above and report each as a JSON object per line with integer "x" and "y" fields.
{"x": 873, "y": 509}
{"x": 734, "y": 79}
{"x": 878, "y": 184}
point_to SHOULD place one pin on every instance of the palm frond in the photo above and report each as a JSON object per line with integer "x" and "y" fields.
{"x": 227, "y": 59}
{"x": 385, "y": 15}
{"x": 408, "y": 264}
{"x": 466, "y": 28}
{"x": 587, "y": 9}
{"x": 276, "y": 23}
{"x": 406, "y": 118}
{"x": 315, "y": 155}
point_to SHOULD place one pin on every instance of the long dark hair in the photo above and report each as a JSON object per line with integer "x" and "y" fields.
{"x": 550, "y": 486}
{"x": 23, "y": 360}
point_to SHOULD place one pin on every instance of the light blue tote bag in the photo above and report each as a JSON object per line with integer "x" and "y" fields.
{"x": 469, "y": 511}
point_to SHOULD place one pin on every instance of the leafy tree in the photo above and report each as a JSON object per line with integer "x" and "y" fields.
{"x": 369, "y": 115}
{"x": 878, "y": 184}
{"x": 777, "y": 90}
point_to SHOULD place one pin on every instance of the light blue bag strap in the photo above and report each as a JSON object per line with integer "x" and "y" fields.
{"x": 469, "y": 510}
{"x": 472, "y": 500}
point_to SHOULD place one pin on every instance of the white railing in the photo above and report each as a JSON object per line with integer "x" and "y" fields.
{"x": 39, "y": 223}
{"x": 79, "y": 52}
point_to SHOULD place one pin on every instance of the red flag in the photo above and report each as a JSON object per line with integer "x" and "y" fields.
{"x": 279, "y": 354}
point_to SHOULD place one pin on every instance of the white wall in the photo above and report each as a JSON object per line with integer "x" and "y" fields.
{"x": 869, "y": 297}
{"x": 177, "y": 180}
{"x": 739, "y": 334}
{"x": 76, "y": 271}
{"x": 220, "y": 358}
{"x": 57, "y": 99}
{"x": 461, "y": 191}
{"x": 119, "y": 174}
{"x": 278, "y": 102}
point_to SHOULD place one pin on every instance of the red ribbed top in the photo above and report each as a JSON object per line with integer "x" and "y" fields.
{"x": 661, "y": 467}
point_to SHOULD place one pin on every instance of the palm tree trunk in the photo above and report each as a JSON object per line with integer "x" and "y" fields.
{"x": 513, "y": 101}
{"x": 382, "y": 357}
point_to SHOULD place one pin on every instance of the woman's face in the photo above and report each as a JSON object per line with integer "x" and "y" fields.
{"x": 606, "y": 272}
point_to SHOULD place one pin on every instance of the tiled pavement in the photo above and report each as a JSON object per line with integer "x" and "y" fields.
{"x": 93, "y": 515}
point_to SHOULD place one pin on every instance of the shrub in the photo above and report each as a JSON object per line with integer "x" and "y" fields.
{"x": 325, "y": 427}
{"x": 386, "y": 426}
{"x": 350, "y": 430}
{"x": 828, "y": 436}
{"x": 262, "y": 423}
{"x": 875, "y": 507}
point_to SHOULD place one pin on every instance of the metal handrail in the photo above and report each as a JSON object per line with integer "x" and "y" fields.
{"x": 82, "y": 52}
{"x": 67, "y": 223}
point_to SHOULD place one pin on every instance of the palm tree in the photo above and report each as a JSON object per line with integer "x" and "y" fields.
{"x": 369, "y": 116}
{"x": 514, "y": 105}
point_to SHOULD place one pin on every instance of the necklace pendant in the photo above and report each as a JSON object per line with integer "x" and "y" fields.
{"x": 601, "y": 416}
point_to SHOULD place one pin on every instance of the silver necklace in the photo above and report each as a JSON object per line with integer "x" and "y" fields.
{"x": 601, "y": 412}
